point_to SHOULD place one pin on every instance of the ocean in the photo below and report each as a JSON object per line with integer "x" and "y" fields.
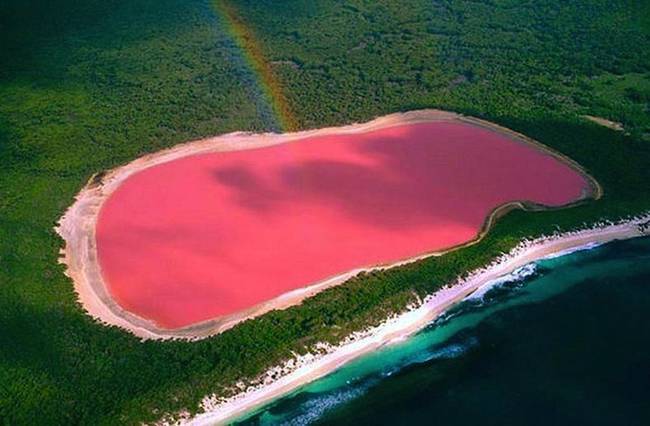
{"x": 565, "y": 340}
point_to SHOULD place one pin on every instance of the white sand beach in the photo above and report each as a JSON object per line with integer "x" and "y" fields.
{"x": 301, "y": 370}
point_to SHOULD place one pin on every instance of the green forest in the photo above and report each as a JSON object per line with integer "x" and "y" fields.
{"x": 87, "y": 86}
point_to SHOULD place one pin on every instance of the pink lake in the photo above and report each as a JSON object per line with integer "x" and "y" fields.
{"x": 209, "y": 235}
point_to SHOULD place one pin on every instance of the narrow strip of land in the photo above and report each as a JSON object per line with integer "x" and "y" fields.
{"x": 298, "y": 373}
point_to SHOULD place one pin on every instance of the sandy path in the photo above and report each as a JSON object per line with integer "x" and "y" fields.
{"x": 614, "y": 125}
{"x": 77, "y": 226}
{"x": 399, "y": 328}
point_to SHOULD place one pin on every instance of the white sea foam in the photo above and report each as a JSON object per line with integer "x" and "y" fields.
{"x": 454, "y": 350}
{"x": 314, "y": 408}
{"x": 519, "y": 274}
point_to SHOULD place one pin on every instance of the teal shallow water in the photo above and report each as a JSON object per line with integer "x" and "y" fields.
{"x": 565, "y": 342}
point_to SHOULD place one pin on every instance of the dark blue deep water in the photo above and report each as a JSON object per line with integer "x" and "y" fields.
{"x": 567, "y": 345}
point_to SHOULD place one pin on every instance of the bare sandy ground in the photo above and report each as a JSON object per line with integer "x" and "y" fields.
{"x": 312, "y": 367}
{"x": 77, "y": 226}
{"x": 614, "y": 125}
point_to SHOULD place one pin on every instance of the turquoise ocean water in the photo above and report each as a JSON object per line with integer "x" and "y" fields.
{"x": 566, "y": 341}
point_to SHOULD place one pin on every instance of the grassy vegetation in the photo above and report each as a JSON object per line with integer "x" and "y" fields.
{"x": 85, "y": 86}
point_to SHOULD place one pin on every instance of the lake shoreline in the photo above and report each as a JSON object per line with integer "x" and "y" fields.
{"x": 78, "y": 225}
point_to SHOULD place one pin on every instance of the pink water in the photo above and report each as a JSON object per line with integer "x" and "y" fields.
{"x": 210, "y": 235}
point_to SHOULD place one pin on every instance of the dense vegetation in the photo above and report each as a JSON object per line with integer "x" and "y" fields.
{"x": 85, "y": 86}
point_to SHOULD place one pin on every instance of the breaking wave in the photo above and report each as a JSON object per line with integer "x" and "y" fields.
{"x": 517, "y": 276}
{"x": 312, "y": 409}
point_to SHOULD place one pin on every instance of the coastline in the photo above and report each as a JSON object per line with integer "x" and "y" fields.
{"x": 77, "y": 226}
{"x": 294, "y": 373}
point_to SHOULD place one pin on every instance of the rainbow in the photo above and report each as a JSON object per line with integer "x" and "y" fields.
{"x": 246, "y": 41}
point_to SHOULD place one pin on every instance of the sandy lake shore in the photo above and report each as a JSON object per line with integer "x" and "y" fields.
{"x": 78, "y": 226}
